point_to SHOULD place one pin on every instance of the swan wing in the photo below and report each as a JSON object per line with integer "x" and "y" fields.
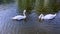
{"x": 19, "y": 17}
{"x": 49, "y": 16}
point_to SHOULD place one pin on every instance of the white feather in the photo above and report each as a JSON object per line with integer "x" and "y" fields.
{"x": 48, "y": 16}
{"x": 19, "y": 17}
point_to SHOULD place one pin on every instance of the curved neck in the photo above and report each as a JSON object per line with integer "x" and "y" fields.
{"x": 42, "y": 16}
{"x": 24, "y": 13}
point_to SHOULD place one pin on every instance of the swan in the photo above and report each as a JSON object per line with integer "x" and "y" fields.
{"x": 19, "y": 17}
{"x": 48, "y": 16}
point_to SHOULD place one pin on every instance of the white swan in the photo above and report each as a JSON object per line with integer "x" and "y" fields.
{"x": 48, "y": 16}
{"x": 19, "y": 17}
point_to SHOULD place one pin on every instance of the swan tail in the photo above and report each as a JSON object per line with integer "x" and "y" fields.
{"x": 14, "y": 18}
{"x": 55, "y": 14}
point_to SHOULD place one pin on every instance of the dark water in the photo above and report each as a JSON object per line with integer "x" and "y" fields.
{"x": 30, "y": 26}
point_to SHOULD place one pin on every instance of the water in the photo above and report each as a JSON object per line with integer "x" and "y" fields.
{"x": 31, "y": 26}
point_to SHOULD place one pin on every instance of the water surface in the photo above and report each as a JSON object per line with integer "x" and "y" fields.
{"x": 31, "y": 26}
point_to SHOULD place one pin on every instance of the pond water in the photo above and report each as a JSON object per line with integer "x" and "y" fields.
{"x": 29, "y": 26}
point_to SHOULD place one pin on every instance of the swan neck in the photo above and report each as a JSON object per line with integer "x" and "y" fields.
{"x": 42, "y": 16}
{"x": 24, "y": 13}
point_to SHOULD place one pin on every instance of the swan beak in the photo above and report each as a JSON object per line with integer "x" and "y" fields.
{"x": 40, "y": 19}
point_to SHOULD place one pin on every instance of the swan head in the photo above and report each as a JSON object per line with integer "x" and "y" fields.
{"x": 41, "y": 16}
{"x": 24, "y": 11}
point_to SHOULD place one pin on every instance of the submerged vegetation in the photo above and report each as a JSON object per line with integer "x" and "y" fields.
{"x": 41, "y": 6}
{"x": 26, "y": 4}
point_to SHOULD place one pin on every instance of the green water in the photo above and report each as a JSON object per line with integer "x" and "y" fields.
{"x": 41, "y": 6}
{"x": 30, "y": 26}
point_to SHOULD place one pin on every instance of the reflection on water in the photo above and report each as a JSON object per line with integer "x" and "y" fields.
{"x": 31, "y": 26}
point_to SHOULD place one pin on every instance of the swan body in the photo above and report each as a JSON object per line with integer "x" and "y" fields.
{"x": 48, "y": 16}
{"x": 19, "y": 17}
